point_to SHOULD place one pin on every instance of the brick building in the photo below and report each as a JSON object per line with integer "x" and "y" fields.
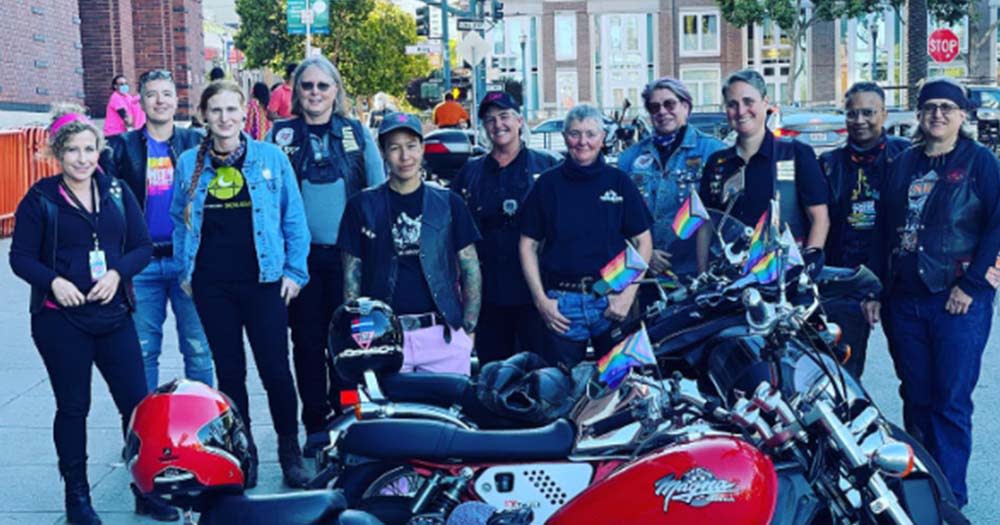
{"x": 58, "y": 50}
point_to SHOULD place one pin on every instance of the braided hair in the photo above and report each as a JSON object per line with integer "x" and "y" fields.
{"x": 210, "y": 91}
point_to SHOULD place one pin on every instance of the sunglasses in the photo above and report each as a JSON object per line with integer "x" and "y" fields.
{"x": 654, "y": 107}
{"x": 865, "y": 113}
{"x": 322, "y": 86}
{"x": 946, "y": 109}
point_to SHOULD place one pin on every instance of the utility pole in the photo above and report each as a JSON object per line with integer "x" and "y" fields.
{"x": 445, "y": 52}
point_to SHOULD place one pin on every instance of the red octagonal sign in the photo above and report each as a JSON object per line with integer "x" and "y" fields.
{"x": 943, "y": 45}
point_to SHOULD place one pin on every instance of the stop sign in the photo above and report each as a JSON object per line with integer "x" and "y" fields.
{"x": 943, "y": 45}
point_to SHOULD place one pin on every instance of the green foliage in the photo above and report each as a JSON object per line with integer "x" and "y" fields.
{"x": 367, "y": 42}
{"x": 786, "y": 13}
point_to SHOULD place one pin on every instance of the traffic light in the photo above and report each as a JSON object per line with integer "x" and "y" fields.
{"x": 497, "y": 10}
{"x": 424, "y": 21}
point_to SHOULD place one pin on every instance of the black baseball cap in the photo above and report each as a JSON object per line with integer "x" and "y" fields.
{"x": 501, "y": 99}
{"x": 399, "y": 120}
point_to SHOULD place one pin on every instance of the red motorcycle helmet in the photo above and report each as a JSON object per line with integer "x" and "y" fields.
{"x": 186, "y": 439}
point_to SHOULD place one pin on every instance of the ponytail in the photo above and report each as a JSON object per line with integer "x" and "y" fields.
{"x": 199, "y": 166}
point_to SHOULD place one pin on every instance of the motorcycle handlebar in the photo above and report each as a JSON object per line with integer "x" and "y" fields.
{"x": 612, "y": 422}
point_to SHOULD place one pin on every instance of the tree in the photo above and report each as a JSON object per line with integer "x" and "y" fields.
{"x": 794, "y": 19}
{"x": 367, "y": 42}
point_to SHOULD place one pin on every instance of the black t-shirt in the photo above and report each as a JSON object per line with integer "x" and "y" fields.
{"x": 498, "y": 198}
{"x": 411, "y": 294}
{"x": 865, "y": 170}
{"x": 760, "y": 176}
{"x": 584, "y": 215}
{"x": 227, "y": 252}
{"x": 906, "y": 269}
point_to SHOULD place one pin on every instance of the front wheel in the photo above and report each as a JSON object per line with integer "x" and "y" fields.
{"x": 385, "y": 490}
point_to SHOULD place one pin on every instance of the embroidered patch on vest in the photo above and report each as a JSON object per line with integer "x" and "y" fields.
{"x": 955, "y": 176}
{"x": 284, "y": 136}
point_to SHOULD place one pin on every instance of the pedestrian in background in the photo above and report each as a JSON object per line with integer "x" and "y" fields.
{"x": 411, "y": 245}
{"x": 937, "y": 233}
{"x": 79, "y": 238}
{"x": 334, "y": 158}
{"x": 856, "y": 171}
{"x": 241, "y": 241}
{"x": 494, "y": 187}
{"x": 145, "y": 159}
{"x": 123, "y": 112}
{"x": 216, "y": 73}
{"x": 258, "y": 124}
{"x": 450, "y": 114}
{"x": 579, "y": 216}
{"x": 280, "y": 105}
{"x": 666, "y": 167}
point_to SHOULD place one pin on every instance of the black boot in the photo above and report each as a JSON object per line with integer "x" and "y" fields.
{"x": 153, "y": 507}
{"x": 290, "y": 458}
{"x": 250, "y": 473}
{"x": 79, "y": 510}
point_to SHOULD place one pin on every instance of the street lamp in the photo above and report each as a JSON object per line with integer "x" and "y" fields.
{"x": 872, "y": 19}
{"x": 524, "y": 73}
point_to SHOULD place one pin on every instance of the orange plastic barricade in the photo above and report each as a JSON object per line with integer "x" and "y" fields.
{"x": 20, "y": 167}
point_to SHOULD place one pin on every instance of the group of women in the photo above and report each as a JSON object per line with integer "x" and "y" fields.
{"x": 242, "y": 239}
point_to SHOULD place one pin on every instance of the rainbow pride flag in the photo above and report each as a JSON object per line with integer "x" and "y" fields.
{"x": 766, "y": 269}
{"x": 635, "y": 350}
{"x": 690, "y": 217}
{"x": 758, "y": 242}
{"x": 622, "y": 271}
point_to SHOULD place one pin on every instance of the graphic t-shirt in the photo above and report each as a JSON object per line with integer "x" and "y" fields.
{"x": 159, "y": 189}
{"x": 227, "y": 252}
{"x": 411, "y": 295}
{"x": 906, "y": 260}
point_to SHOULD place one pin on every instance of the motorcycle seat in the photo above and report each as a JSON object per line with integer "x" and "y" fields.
{"x": 406, "y": 439}
{"x": 293, "y": 508}
{"x": 441, "y": 390}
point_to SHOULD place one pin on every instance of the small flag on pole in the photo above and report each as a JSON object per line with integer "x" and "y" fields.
{"x": 766, "y": 269}
{"x": 622, "y": 271}
{"x": 635, "y": 350}
{"x": 690, "y": 217}
{"x": 758, "y": 242}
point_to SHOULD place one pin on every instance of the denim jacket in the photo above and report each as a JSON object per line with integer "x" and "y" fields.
{"x": 281, "y": 237}
{"x": 665, "y": 188}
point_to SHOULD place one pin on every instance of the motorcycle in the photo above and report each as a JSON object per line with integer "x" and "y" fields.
{"x": 766, "y": 418}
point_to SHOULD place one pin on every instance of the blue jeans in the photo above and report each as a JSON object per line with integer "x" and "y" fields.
{"x": 154, "y": 285}
{"x": 586, "y": 322}
{"x": 938, "y": 357}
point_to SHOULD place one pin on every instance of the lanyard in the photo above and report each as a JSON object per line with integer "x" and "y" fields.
{"x": 92, "y": 218}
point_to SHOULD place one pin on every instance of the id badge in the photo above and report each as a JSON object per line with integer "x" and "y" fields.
{"x": 98, "y": 264}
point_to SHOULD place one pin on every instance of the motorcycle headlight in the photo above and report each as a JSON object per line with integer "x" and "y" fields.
{"x": 813, "y": 381}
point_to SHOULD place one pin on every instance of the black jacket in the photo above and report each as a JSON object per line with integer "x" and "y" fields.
{"x": 836, "y": 164}
{"x": 958, "y": 237}
{"x": 125, "y": 156}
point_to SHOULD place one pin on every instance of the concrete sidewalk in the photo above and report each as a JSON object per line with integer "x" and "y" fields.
{"x": 31, "y": 491}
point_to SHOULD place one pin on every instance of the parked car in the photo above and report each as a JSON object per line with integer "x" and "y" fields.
{"x": 446, "y": 150}
{"x": 900, "y": 122}
{"x": 548, "y": 135}
{"x": 823, "y": 130}
{"x": 713, "y": 123}
{"x": 985, "y": 116}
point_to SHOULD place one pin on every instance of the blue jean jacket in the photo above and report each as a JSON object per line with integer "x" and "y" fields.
{"x": 666, "y": 187}
{"x": 281, "y": 236}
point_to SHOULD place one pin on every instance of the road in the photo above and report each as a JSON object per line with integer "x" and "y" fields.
{"x": 31, "y": 491}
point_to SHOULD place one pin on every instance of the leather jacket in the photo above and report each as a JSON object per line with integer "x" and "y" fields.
{"x": 836, "y": 164}
{"x": 438, "y": 255}
{"x": 348, "y": 142}
{"x": 125, "y": 156}
{"x": 956, "y": 238}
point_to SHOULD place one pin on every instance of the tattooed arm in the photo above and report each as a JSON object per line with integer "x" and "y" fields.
{"x": 352, "y": 276}
{"x": 472, "y": 287}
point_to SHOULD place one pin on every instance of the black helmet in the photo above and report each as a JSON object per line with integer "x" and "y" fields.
{"x": 365, "y": 335}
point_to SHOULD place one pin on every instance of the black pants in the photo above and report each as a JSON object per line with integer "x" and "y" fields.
{"x": 506, "y": 330}
{"x": 225, "y": 310}
{"x": 69, "y": 355}
{"x": 309, "y": 318}
{"x": 851, "y": 319}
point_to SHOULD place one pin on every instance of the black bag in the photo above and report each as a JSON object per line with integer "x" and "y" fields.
{"x": 523, "y": 388}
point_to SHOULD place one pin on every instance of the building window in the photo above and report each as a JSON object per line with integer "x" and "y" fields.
{"x": 699, "y": 33}
{"x": 704, "y": 82}
{"x": 565, "y": 36}
{"x": 566, "y": 88}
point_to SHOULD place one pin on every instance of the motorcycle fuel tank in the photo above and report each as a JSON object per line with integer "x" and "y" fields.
{"x": 711, "y": 480}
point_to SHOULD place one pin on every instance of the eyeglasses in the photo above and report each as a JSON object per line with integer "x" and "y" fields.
{"x": 946, "y": 109}
{"x": 322, "y": 86}
{"x": 864, "y": 113}
{"x": 669, "y": 104}
{"x": 577, "y": 134}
